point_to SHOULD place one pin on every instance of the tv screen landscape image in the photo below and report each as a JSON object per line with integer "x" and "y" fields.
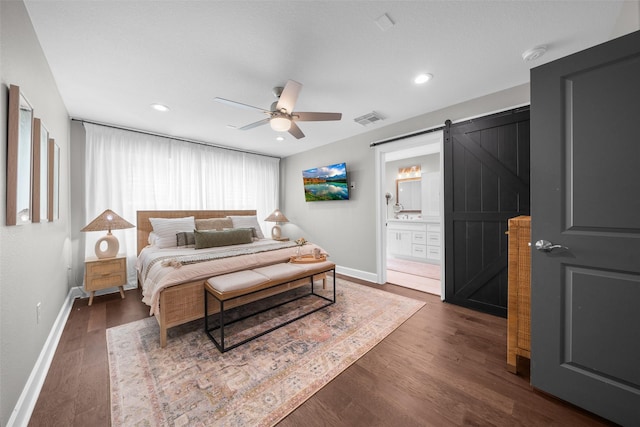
{"x": 326, "y": 183}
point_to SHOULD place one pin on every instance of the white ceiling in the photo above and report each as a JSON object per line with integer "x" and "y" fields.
{"x": 112, "y": 59}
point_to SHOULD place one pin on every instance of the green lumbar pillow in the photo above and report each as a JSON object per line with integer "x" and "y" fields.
{"x": 211, "y": 238}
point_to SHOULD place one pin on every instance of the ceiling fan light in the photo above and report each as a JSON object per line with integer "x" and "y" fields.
{"x": 280, "y": 124}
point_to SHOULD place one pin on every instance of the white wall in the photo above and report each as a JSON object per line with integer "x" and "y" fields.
{"x": 347, "y": 229}
{"x": 428, "y": 163}
{"x": 629, "y": 19}
{"x": 33, "y": 257}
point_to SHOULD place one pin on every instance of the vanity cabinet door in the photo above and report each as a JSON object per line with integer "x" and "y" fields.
{"x": 399, "y": 242}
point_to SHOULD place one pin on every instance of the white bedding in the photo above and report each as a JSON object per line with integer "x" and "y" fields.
{"x": 159, "y": 268}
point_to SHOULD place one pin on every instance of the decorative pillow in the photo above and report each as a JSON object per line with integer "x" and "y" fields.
{"x": 167, "y": 228}
{"x": 213, "y": 223}
{"x": 248, "y": 221}
{"x": 212, "y": 238}
{"x": 185, "y": 239}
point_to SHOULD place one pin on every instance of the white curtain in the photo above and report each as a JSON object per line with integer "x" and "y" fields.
{"x": 129, "y": 171}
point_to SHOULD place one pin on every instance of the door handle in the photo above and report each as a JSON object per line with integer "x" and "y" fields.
{"x": 547, "y": 246}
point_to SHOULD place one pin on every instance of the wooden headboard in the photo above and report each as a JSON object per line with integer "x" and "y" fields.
{"x": 144, "y": 225}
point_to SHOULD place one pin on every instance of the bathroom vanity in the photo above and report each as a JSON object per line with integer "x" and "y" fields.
{"x": 414, "y": 239}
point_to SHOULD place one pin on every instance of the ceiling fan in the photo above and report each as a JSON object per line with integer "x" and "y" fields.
{"x": 282, "y": 118}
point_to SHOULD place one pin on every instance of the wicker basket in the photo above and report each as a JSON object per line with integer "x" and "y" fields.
{"x": 519, "y": 302}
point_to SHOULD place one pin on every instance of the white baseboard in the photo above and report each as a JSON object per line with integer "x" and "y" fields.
{"x": 29, "y": 396}
{"x": 358, "y": 274}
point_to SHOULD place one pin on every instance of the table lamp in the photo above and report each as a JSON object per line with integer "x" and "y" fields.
{"x": 108, "y": 220}
{"x": 277, "y": 217}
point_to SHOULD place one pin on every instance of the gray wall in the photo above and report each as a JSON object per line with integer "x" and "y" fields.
{"x": 347, "y": 229}
{"x": 33, "y": 257}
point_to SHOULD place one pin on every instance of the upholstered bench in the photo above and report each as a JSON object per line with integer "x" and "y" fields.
{"x": 262, "y": 282}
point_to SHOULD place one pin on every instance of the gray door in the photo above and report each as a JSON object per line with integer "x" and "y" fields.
{"x": 585, "y": 196}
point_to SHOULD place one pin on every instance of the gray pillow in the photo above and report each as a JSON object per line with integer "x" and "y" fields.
{"x": 210, "y": 238}
{"x": 213, "y": 223}
{"x": 185, "y": 238}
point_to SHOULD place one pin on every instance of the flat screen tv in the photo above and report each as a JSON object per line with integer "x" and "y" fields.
{"x": 326, "y": 183}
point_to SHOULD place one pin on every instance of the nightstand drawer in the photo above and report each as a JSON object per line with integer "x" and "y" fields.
{"x": 106, "y": 281}
{"x": 104, "y": 268}
{"x": 102, "y": 273}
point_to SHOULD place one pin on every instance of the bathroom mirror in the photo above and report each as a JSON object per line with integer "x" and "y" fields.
{"x": 408, "y": 192}
{"x": 40, "y": 171}
{"x": 19, "y": 151}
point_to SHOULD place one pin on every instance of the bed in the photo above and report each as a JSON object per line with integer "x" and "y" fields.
{"x": 172, "y": 279}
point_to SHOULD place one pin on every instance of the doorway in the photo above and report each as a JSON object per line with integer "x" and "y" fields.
{"x": 410, "y": 238}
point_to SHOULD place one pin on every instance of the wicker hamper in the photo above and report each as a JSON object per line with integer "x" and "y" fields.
{"x": 519, "y": 300}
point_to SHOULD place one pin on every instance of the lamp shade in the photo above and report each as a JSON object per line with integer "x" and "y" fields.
{"x": 108, "y": 220}
{"x": 276, "y": 216}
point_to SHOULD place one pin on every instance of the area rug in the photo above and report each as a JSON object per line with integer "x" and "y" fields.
{"x": 189, "y": 382}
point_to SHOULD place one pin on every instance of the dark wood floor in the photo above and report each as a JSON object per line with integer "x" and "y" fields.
{"x": 444, "y": 366}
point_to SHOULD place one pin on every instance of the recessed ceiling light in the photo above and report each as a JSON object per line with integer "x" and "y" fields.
{"x": 160, "y": 107}
{"x": 280, "y": 138}
{"x": 422, "y": 78}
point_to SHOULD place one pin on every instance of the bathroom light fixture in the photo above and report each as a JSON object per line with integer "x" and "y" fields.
{"x": 422, "y": 78}
{"x": 108, "y": 220}
{"x": 277, "y": 217}
{"x": 160, "y": 107}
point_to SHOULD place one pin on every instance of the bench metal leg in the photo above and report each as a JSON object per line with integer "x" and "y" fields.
{"x": 220, "y": 345}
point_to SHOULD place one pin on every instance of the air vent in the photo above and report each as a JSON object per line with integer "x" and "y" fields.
{"x": 368, "y": 119}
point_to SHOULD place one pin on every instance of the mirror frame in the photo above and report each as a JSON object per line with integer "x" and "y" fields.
{"x": 53, "y": 181}
{"x": 398, "y": 181}
{"x": 15, "y": 146}
{"x": 40, "y": 171}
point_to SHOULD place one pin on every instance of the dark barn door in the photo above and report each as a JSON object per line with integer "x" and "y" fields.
{"x": 486, "y": 172}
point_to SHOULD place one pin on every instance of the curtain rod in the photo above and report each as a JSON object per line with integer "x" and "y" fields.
{"x": 222, "y": 147}
{"x": 435, "y": 129}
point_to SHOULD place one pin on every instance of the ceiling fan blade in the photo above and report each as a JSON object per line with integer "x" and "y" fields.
{"x": 239, "y": 105}
{"x": 295, "y": 131}
{"x": 316, "y": 117}
{"x": 289, "y": 96}
{"x": 255, "y": 124}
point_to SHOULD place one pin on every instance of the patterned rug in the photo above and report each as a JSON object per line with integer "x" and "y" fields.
{"x": 190, "y": 382}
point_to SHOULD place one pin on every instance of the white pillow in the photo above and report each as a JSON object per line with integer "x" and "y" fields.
{"x": 247, "y": 221}
{"x": 152, "y": 238}
{"x": 166, "y": 229}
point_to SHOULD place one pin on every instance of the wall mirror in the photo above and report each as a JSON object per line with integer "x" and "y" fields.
{"x": 408, "y": 194}
{"x": 19, "y": 148}
{"x": 39, "y": 204}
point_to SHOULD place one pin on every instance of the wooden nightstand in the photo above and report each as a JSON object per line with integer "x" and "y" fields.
{"x": 102, "y": 273}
